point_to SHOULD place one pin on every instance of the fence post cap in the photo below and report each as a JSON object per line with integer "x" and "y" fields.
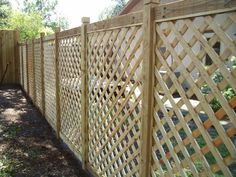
{"x": 85, "y": 20}
{"x": 57, "y": 29}
{"x": 151, "y": 1}
{"x": 42, "y": 34}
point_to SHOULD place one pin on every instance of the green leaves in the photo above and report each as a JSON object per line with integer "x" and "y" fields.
{"x": 5, "y": 10}
{"x": 29, "y": 25}
{"x": 47, "y": 10}
{"x": 35, "y": 17}
{"x": 114, "y": 10}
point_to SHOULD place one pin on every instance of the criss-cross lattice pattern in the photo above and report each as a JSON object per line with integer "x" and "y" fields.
{"x": 25, "y": 74}
{"x": 70, "y": 90}
{"x": 21, "y": 63}
{"x": 50, "y": 82}
{"x": 194, "y": 119}
{"x": 114, "y": 70}
{"x": 30, "y": 71}
{"x": 37, "y": 70}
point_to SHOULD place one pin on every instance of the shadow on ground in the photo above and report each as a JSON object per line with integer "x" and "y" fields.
{"x": 28, "y": 146}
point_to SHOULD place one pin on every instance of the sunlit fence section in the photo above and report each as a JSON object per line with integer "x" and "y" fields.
{"x": 114, "y": 69}
{"x": 194, "y": 120}
{"x": 151, "y": 93}
{"x": 24, "y": 67}
{"x": 70, "y": 87}
{"x": 49, "y": 80}
{"x": 30, "y": 65}
{"x": 38, "y": 74}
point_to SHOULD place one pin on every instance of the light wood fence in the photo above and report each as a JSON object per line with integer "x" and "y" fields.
{"x": 151, "y": 93}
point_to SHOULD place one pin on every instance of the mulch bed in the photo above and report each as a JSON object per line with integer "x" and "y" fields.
{"x": 28, "y": 145}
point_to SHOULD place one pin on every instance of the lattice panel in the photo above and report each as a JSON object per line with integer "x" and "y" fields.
{"x": 49, "y": 81}
{"x": 38, "y": 74}
{"x": 70, "y": 92}
{"x": 21, "y": 64}
{"x": 195, "y": 100}
{"x": 30, "y": 71}
{"x": 24, "y": 55}
{"x": 115, "y": 58}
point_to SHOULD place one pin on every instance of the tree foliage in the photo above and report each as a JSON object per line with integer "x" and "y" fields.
{"x": 35, "y": 17}
{"x": 114, "y": 10}
{"x": 47, "y": 9}
{"x": 29, "y": 25}
{"x": 5, "y": 9}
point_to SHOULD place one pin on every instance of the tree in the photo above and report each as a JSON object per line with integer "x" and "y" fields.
{"x": 47, "y": 9}
{"x": 29, "y": 25}
{"x": 59, "y": 21}
{"x": 5, "y": 9}
{"x": 114, "y": 10}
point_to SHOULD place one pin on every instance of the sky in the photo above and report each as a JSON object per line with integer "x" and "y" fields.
{"x": 74, "y": 10}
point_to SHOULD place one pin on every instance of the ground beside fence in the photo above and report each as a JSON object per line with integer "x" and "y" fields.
{"x": 28, "y": 146}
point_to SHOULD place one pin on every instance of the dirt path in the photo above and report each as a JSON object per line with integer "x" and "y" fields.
{"x": 28, "y": 146}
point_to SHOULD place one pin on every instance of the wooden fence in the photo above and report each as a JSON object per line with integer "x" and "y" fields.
{"x": 150, "y": 93}
{"x": 9, "y": 70}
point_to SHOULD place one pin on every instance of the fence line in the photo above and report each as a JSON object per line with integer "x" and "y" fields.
{"x": 152, "y": 93}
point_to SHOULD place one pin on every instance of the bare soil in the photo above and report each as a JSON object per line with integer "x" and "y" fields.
{"x": 28, "y": 145}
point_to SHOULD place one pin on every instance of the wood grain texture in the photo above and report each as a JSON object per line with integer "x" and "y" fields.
{"x": 9, "y": 57}
{"x": 149, "y": 60}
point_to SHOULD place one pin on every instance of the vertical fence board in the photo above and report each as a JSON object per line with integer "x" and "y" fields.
{"x": 9, "y": 57}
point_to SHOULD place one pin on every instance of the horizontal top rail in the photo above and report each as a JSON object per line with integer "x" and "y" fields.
{"x": 117, "y": 22}
{"x": 70, "y": 32}
{"x": 192, "y": 8}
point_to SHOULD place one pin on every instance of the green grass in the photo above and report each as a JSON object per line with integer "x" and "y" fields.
{"x": 6, "y": 167}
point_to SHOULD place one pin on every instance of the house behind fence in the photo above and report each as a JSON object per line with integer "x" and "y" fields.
{"x": 151, "y": 93}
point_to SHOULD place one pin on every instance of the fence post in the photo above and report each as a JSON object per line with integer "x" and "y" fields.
{"x": 84, "y": 88}
{"x": 42, "y": 72}
{"x": 148, "y": 87}
{"x": 58, "y": 111}
{"x": 33, "y": 68}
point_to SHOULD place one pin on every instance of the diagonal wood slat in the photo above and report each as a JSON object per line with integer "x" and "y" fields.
{"x": 30, "y": 69}
{"x": 194, "y": 120}
{"x": 115, "y": 58}
{"x": 49, "y": 82}
{"x": 38, "y": 75}
{"x": 187, "y": 66}
{"x": 70, "y": 90}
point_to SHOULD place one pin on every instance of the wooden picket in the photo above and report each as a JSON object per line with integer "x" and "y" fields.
{"x": 152, "y": 93}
